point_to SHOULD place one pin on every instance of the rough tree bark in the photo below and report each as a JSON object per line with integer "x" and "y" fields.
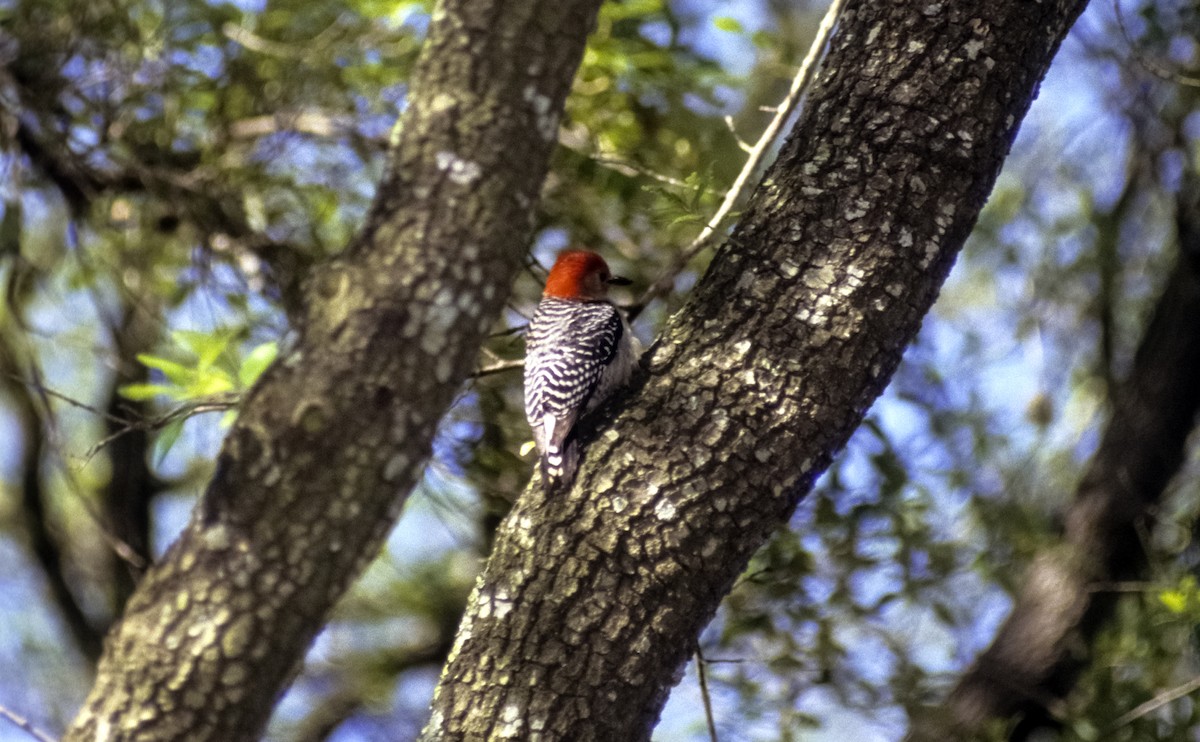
{"x": 593, "y": 598}
{"x": 329, "y": 443}
{"x": 1037, "y": 654}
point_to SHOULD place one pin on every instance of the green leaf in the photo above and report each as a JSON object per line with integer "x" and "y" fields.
{"x": 167, "y": 439}
{"x": 206, "y": 346}
{"x": 209, "y": 384}
{"x": 729, "y": 25}
{"x": 1174, "y": 600}
{"x": 142, "y": 392}
{"x": 175, "y": 372}
{"x": 763, "y": 39}
{"x": 256, "y": 361}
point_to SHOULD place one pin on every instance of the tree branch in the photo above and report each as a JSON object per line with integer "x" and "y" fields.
{"x": 129, "y": 495}
{"x": 1162, "y": 699}
{"x": 338, "y": 430}
{"x": 211, "y": 206}
{"x": 25, "y": 725}
{"x": 1037, "y": 653}
{"x": 593, "y": 597}
{"x": 756, "y": 154}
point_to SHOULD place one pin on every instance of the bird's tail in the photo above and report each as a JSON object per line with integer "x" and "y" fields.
{"x": 558, "y": 464}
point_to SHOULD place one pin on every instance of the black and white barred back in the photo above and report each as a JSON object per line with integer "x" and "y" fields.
{"x": 577, "y": 353}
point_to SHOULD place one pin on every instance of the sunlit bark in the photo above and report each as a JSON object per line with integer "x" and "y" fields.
{"x": 593, "y": 599}
{"x": 331, "y": 440}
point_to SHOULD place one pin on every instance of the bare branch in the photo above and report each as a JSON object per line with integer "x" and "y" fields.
{"x": 578, "y": 143}
{"x": 46, "y": 391}
{"x": 24, "y": 724}
{"x": 702, "y": 673}
{"x": 218, "y": 403}
{"x": 742, "y": 143}
{"x": 1162, "y": 699}
{"x": 758, "y": 153}
{"x": 313, "y": 123}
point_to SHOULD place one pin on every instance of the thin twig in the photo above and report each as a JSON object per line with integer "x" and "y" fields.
{"x": 269, "y": 47}
{"x": 498, "y": 367}
{"x": 313, "y": 123}
{"x": 218, "y": 403}
{"x": 630, "y": 169}
{"x": 45, "y": 391}
{"x": 1157, "y": 702}
{"x": 741, "y": 143}
{"x": 514, "y": 330}
{"x": 25, "y": 725}
{"x": 758, "y": 152}
{"x": 708, "y": 712}
{"x": 119, "y": 547}
{"x": 41, "y": 395}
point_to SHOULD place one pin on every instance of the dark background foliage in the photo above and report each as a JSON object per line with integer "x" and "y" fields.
{"x": 172, "y": 170}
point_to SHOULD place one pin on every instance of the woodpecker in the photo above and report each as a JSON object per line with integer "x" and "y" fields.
{"x": 578, "y": 350}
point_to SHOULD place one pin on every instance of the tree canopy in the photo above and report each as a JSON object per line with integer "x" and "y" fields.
{"x": 246, "y": 314}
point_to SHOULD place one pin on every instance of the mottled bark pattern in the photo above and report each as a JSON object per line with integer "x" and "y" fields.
{"x": 593, "y": 598}
{"x": 331, "y": 440}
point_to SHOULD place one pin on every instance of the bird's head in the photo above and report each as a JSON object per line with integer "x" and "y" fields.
{"x": 581, "y": 275}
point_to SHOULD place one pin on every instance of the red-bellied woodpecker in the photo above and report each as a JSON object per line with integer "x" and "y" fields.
{"x": 578, "y": 350}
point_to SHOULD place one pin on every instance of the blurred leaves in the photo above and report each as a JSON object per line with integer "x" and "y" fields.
{"x": 195, "y": 159}
{"x": 209, "y": 367}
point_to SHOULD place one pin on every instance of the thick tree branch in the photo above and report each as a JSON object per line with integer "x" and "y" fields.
{"x": 328, "y": 444}
{"x": 133, "y": 485}
{"x": 593, "y": 598}
{"x": 1039, "y": 650}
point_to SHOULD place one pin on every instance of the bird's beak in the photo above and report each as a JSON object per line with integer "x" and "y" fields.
{"x": 619, "y": 281}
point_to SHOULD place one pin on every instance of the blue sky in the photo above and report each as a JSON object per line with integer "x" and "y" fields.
{"x": 1067, "y": 120}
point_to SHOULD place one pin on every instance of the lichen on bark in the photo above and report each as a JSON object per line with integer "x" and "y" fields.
{"x": 335, "y": 434}
{"x": 790, "y": 335}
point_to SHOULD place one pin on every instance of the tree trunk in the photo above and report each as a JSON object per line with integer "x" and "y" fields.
{"x": 1037, "y": 654}
{"x": 329, "y": 443}
{"x": 593, "y": 598}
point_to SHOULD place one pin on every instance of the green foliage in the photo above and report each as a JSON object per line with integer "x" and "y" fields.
{"x": 1184, "y": 599}
{"x": 225, "y": 148}
{"x": 643, "y": 135}
{"x": 209, "y": 370}
{"x": 231, "y": 146}
{"x": 731, "y": 25}
{"x": 210, "y": 367}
